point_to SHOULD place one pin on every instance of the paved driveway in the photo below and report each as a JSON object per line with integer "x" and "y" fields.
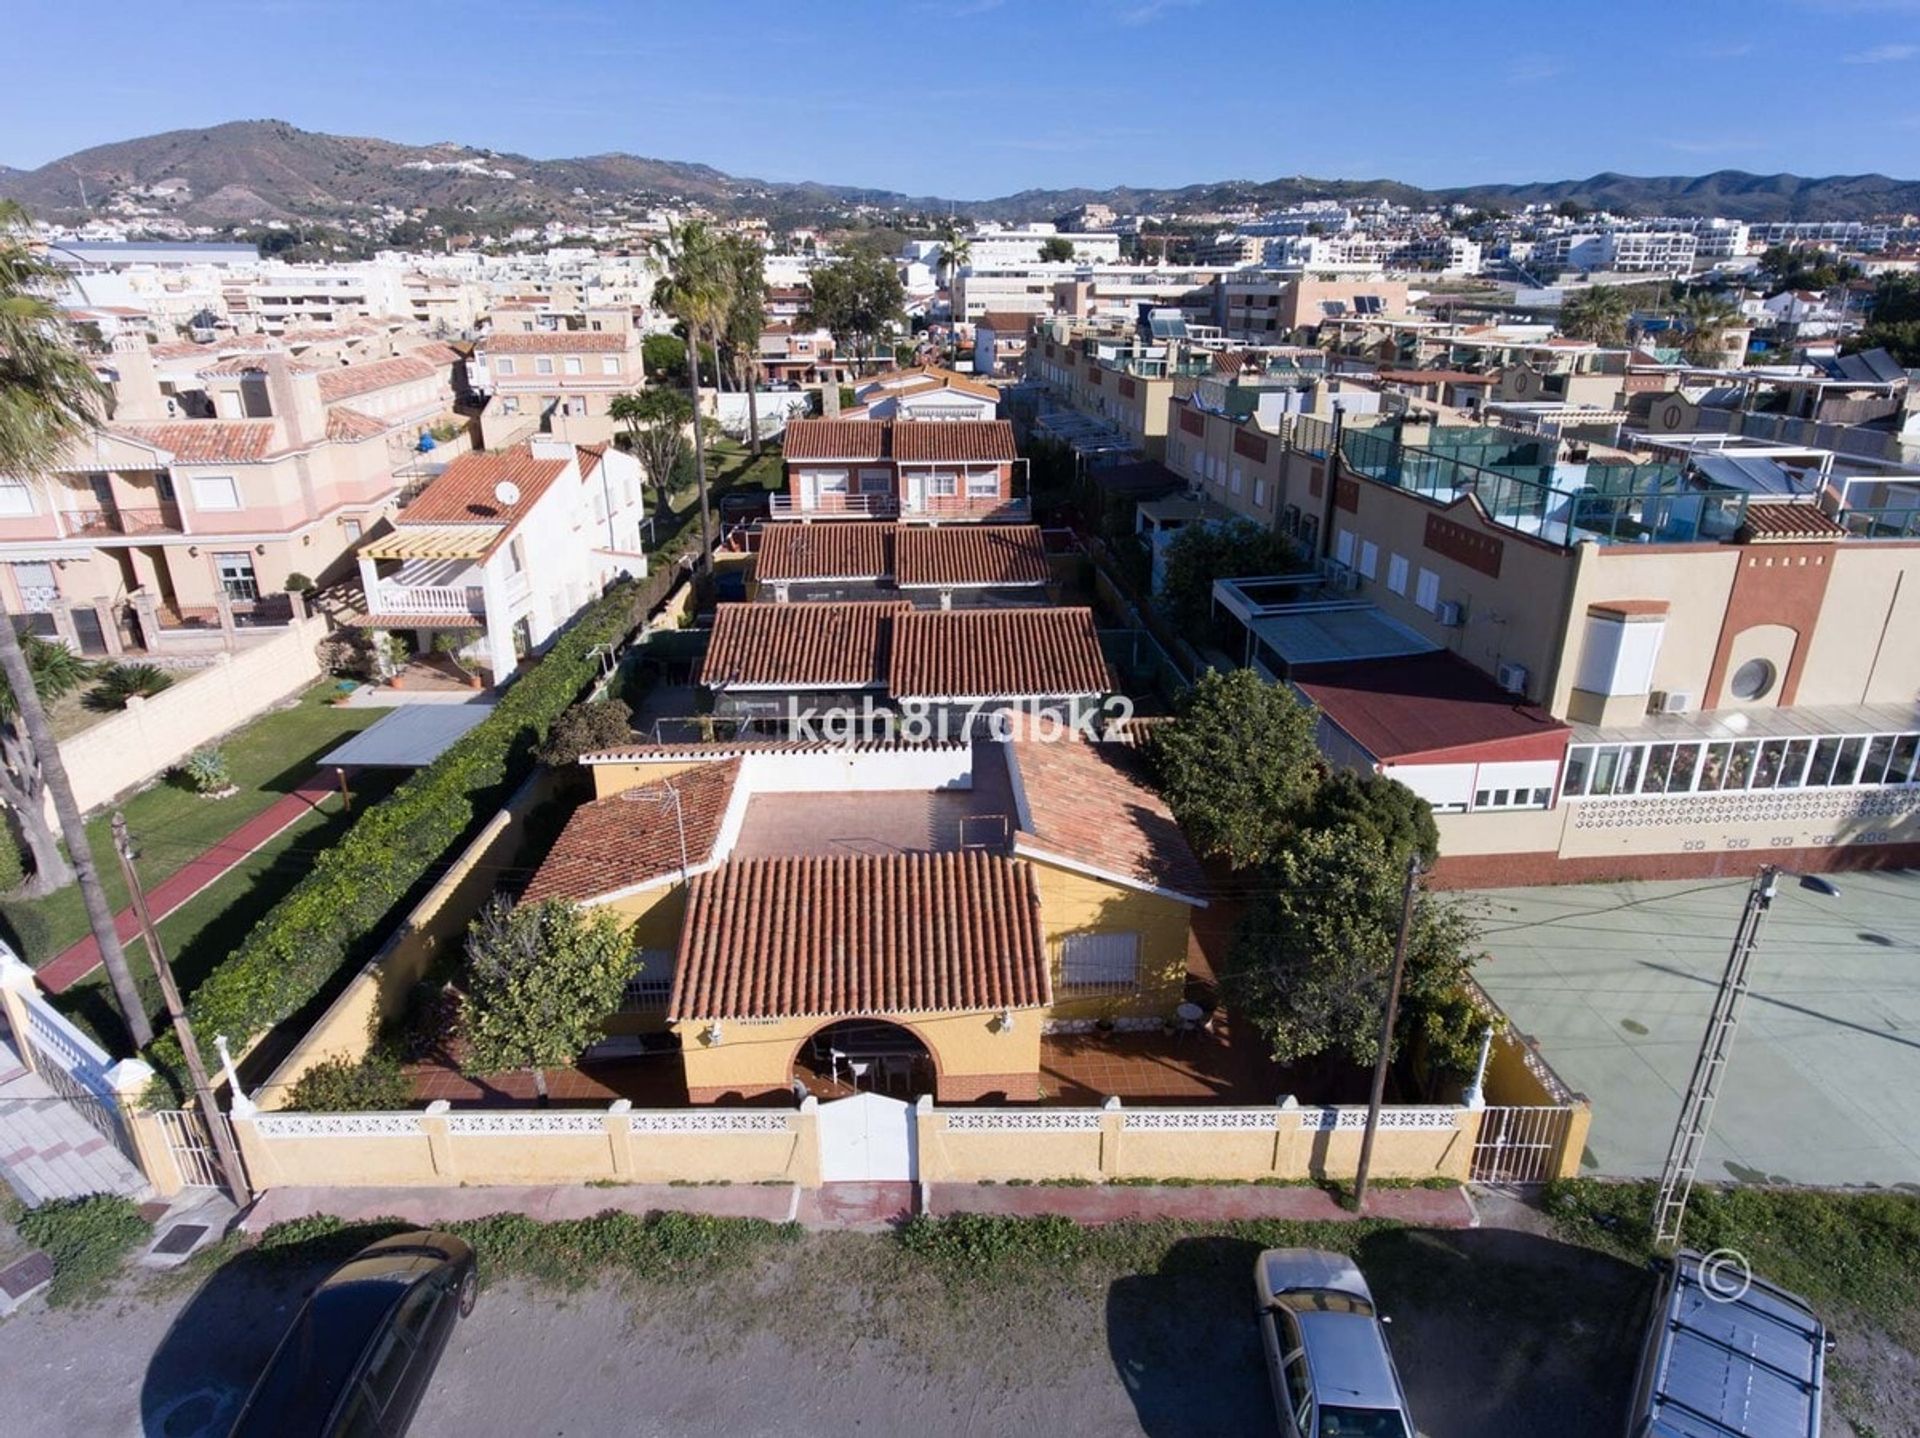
{"x": 1616, "y": 982}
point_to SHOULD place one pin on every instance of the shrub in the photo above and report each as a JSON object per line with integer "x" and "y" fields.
{"x": 373, "y": 1083}
{"x": 347, "y": 654}
{"x": 87, "y": 1239}
{"x": 120, "y": 682}
{"x": 298, "y": 583}
{"x": 596, "y": 724}
{"x": 973, "y": 1242}
{"x": 205, "y": 771}
{"x": 333, "y": 916}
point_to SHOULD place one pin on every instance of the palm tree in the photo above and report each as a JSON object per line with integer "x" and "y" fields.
{"x": 1598, "y": 314}
{"x": 1708, "y": 316}
{"x": 48, "y": 396}
{"x": 746, "y": 318}
{"x": 956, "y": 251}
{"x": 697, "y": 290}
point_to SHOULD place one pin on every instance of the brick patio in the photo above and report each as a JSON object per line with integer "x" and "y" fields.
{"x": 1227, "y": 1065}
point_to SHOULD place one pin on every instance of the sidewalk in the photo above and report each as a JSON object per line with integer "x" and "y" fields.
{"x": 47, "y": 1150}
{"x": 867, "y": 1206}
{"x": 66, "y": 969}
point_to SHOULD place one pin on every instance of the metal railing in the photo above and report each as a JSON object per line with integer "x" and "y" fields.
{"x": 840, "y": 506}
{"x": 163, "y": 520}
{"x": 433, "y": 599}
{"x": 1886, "y": 522}
{"x": 187, "y": 1139}
{"x": 1519, "y": 1145}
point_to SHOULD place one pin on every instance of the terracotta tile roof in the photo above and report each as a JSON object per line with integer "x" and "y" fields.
{"x": 1089, "y": 804}
{"x": 913, "y": 379}
{"x": 208, "y": 441}
{"x": 244, "y": 364}
{"x": 346, "y": 381}
{"x": 631, "y": 838}
{"x": 911, "y": 441}
{"x": 950, "y": 555}
{"x": 823, "y": 551}
{"x": 464, "y": 492}
{"x": 186, "y": 349}
{"x": 1434, "y": 376}
{"x": 1786, "y": 523}
{"x": 349, "y": 424}
{"x": 950, "y": 440}
{"x": 837, "y": 439}
{"x": 590, "y": 455}
{"x": 800, "y": 646}
{"x": 1396, "y": 708}
{"x": 996, "y": 654}
{"x": 828, "y": 936}
{"x": 1008, "y": 321}
{"x": 556, "y": 342}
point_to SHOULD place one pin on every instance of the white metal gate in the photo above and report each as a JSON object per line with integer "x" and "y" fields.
{"x": 185, "y": 1131}
{"x": 1520, "y": 1145}
{"x": 867, "y": 1138}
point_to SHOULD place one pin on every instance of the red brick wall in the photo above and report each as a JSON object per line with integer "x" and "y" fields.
{"x": 970, "y": 1088}
{"x": 1506, "y": 871}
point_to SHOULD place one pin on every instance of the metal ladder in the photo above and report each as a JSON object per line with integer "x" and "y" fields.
{"x": 1696, "y": 1110}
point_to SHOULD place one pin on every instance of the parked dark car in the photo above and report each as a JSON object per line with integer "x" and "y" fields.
{"x": 1727, "y": 1353}
{"x": 359, "y": 1357}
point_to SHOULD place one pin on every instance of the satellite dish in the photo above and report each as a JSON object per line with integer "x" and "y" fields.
{"x": 507, "y": 493}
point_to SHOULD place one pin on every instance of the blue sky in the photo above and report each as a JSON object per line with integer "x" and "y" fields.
{"x": 977, "y": 98}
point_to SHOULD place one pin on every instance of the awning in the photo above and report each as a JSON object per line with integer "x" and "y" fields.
{"x": 411, "y": 737}
{"x": 434, "y": 541}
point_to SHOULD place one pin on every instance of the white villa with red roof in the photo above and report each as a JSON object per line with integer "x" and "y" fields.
{"x": 512, "y": 543}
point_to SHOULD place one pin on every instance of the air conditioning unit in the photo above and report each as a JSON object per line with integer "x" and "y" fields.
{"x": 1451, "y": 613}
{"x": 1512, "y": 678}
{"x": 1346, "y": 581}
{"x": 1670, "y": 701}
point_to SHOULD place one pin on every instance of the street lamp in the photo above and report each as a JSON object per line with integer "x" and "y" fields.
{"x": 1696, "y": 1109}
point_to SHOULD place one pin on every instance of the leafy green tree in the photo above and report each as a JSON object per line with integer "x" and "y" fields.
{"x": 697, "y": 290}
{"x": 1056, "y": 249}
{"x": 49, "y": 397}
{"x": 1384, "y": 808}
{"x": 659, "y": 425}
{"x": 1597, "y": 314}
{"x": 1796, "y": 268}
{"x": 540, "y": 978}
{"x": 1239, "y": 766}
{"x": 587, "y": 727}
{"x": 1202, "y": 553}
{"x": 665, "y": 358}
{"x": 857, "y": 299}
{"x": 1313, "y": 956}
{"x": 1895, "y": 325}
{"x": 956, "y": 251}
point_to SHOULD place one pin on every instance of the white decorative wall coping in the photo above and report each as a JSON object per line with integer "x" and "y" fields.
{"x": 1320, "y": 1120}
{"x": 1256, "y": 1119}
{"x": 1009, "y": 1120}
{"x": 339, "y": 1125}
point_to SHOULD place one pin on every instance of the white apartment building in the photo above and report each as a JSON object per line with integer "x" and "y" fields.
{"x": 992, "y": 246}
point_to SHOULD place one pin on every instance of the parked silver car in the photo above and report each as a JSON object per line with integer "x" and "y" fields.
{"x": 1326, "y": 1350}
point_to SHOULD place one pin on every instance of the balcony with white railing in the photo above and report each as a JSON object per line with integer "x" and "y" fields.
{"x": 835, "y": 506}
{"x": 432, "y": 601}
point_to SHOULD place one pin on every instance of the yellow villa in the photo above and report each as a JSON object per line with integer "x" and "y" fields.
{"x": 907, "y": 919}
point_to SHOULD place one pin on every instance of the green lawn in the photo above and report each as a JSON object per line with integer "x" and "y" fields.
{"x": 202, "y": 932}
{"x": 731, "y": 466}
{"x": 268, "y": 758}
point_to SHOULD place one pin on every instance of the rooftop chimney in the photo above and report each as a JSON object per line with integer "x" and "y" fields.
{"x": 295, "y": 398}
{"x": 136, "y": 388}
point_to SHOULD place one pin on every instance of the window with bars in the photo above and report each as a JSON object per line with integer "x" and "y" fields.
{"x": 1100, "y": 962}
{"x": 651, "y": 983}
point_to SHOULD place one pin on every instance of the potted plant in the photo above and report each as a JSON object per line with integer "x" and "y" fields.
{"x": 454, "y": 643}
{"x": 393, "y": 653}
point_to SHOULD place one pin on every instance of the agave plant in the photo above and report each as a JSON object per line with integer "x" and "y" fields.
{"x": 206, "y": 772}
{"x": 120, "y": 682}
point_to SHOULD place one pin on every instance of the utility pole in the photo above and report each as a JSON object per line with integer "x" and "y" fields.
{"x": 216, "y": 1122}
{"x": 1696, "y": 1110}
{"x": 1407, "y": 895}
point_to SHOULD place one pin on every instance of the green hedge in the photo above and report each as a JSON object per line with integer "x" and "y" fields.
{"x": 326, "y": 923}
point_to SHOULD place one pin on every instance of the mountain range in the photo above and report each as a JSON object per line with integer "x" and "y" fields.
{"x": 248, "y": 172}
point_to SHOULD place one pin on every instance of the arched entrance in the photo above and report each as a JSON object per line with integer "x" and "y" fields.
{"x": 865, "y": 1056}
